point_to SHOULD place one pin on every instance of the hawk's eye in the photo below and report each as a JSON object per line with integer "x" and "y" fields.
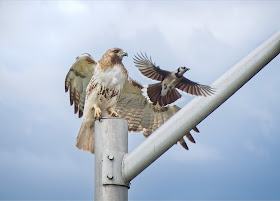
{"x": 116, "y": 51}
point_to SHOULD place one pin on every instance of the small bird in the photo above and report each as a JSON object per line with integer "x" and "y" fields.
{"x": 165, "y": 91}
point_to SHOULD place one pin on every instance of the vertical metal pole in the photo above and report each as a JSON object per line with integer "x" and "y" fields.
{"x": 111, "y": 143}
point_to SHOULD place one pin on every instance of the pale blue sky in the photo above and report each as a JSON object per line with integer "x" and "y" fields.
{"x": 236, "y": 154}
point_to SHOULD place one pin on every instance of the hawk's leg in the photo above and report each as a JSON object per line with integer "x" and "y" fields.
{"x": 97, "y": 112}
{"x": 112, "y": 112}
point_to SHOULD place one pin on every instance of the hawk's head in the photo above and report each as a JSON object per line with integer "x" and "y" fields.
{"x": 111, "y": 58}
{"x": 116, "y": 53}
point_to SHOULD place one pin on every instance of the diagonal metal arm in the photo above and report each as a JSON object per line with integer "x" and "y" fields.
{"x": 199, "y": 108}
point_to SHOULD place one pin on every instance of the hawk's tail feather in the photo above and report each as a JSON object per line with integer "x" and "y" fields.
{"x": 85, "y": 138}
{"x": 154, "y": 93}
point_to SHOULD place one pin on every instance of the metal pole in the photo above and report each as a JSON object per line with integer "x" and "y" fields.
{"x": 111, "y": 144}
{"x": 199, "y": 108}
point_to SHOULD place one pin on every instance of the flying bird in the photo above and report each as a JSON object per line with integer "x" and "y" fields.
{"x": 165, "y": 91}
{"x": 142, "y": 115}
{"x": 103, "y": 88}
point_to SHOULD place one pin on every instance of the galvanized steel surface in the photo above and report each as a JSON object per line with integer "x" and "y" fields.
{"x": 111, "y": 143}
{"x": 199, "y": 108}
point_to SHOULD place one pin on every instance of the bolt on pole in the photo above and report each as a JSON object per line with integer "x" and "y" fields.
{"x": 114, "y": 168}
{"x": 111, "y": 142}
{"x": 199, "y": 108}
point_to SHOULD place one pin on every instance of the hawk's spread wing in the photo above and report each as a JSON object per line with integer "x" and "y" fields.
{"x": 77, "y": 79}
{"x": 132, "y": 104}
{"x": 148, "y": 68}
{"x": 141, "y": 114}
{"x": 194, "y": 88}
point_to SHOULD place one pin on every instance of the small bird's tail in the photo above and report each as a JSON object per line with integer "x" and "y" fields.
{"x": 85, "y": 138}
{"x": 154, "y": 93}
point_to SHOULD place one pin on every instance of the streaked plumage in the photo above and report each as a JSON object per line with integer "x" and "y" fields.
{"x": 99, "y": 96}
{"x": 142, "y": 115}
{"x": 77, "y": 80}
{"x": 83, "y": 81}
{"x": 165, "y": 91}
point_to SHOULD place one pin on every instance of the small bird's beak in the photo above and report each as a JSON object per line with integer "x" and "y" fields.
{"x": 125, "y": 54}
{"x": 188, "y": 69}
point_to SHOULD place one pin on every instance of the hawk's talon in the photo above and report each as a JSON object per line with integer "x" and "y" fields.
{"x": 98, "y": 118}
{"x": 97, "y": 112}
{"x": 112, "y": 112}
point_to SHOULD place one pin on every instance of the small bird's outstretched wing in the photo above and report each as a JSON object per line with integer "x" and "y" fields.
{"x": 148, "y": 68}
{"x": 194, "y": 88}
{"x": 77, "y": 79}
{"x": 141, "y": 114}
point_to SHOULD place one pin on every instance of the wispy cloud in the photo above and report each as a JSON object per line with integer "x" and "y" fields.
{"x": 40, "y": 41}
{"x": 197, "y": 152}
{"x": 257, "y": 149}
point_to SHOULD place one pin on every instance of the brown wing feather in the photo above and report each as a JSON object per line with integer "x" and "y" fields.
{"x": 154, "y": 93}
{"x": 131, "y": 104}
{"x": 190, "y": 137}
{"x": 77, "y": 79}
{"x": 148, "y": 68}
{"x": 194, "y": 88}
{"x": 143, "y": 115}
{"x": 183, "y": 143}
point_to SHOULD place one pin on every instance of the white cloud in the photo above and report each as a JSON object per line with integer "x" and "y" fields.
{"x": 197, "y": 152}
{"x": 36, "y": 85}
{"x": 257, "y": 149}
{"x": 265, "y": 121}
{"x": 72, "y": 7}
{"x": 40, "y": 40}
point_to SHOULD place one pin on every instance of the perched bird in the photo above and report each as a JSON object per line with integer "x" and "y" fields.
{"x": 103, "y": 88}
{"x": 165, "y": 91}
{"x": 102, "y": 92}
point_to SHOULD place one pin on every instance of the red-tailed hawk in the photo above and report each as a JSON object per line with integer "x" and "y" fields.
{"x": 103, "y": 88}
{"x": 165, "y": 91}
